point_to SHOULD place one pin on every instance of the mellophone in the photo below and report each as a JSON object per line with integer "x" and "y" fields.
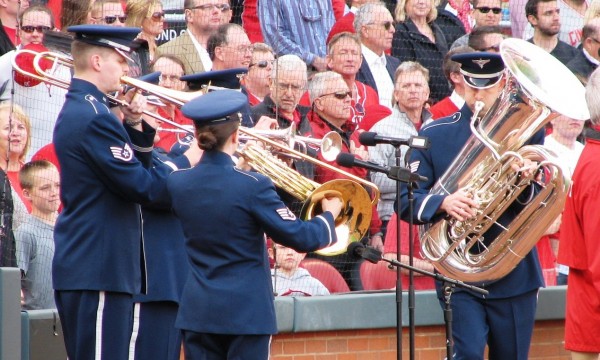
{"x": 353, "y": 222}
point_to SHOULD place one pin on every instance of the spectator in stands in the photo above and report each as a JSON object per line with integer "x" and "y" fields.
{"x": 419, "y": 38}
{"x": 202, "y": 18}
{"x": 229, "y": 48}
{"x": 486, "y": 38}
{"x": 75, "y": 12}
{"x": 346, "y": 23}
{"x": 257, "y": 83}
{"x": 563, "y": 142}
{"x": 485, "y": 13}
{"x": 375, "y": 27}
{"x": 15, "y": 138}
{"x": 411, "y": 92}
{"x": 288, "y": 82}
{"x": 462, "y": 9}
{"x": 108, "y": 12}
{"x": 421, "y": 282}
{"x": 250, "y": 21}
{"x": 593, "y": 11}
{"x": 451, "y": 104}
{"x": 41, "y": 102}
{"x": 298, "y": 27}
{"x": 588, "y": 56}
{"x": 9, "y": 13}
{"x": 35, "y": 237}
{"x": 544, "y": 16}
{"x": 344, "y": 57}
{"x": 149, "y": 16}
{"x": 171, "y": 69}
{"x": 578, "y": 240}
{"x": 289, "y": 279}
{"x": 572, "y": 14}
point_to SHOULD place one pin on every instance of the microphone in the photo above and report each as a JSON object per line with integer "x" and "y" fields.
{"x": 359, "y": 250}
{"x": 395, "y": 172}
{"x": 372, "y": 139}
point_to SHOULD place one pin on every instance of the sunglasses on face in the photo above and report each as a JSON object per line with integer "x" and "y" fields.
{"x": 157, "y": 16}
{"x": 340, "y": 95}
{"x": 386, "y": 25}
{"x": 486, "y": 9}
{"x": 30, "y": 29}
{"x": 112, "y": 19}
{"x": 261, "y": 64}
{"x": 222, "y": 7}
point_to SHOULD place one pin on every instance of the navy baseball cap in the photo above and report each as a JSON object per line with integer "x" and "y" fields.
{"x": 228, "y": 79}
{"x": 216, "y": 107}
{"x": 121, "y": 39}
{"x": 481, "y": 70}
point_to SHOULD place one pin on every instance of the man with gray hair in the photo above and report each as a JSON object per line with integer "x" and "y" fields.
{"x": 202, "y": 17}
{"x": 578, "y": 239}
{"x": 288, "y": 82}
{"x": 375, "y": 26}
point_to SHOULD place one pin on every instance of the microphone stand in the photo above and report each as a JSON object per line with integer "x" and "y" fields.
{"x": 374, "y": 256}
{"x": 399, "y": 278}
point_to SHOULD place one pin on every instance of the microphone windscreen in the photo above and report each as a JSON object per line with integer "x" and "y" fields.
{"x": 345, "y": 159}
{"x": 367, "y": 138}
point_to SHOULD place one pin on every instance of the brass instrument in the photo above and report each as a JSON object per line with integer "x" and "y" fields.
{"x": 330, "y": 145}
{"x": 174, "y": 96}
{"x": 538, "y": 88}
{"x": 355, "y": 219}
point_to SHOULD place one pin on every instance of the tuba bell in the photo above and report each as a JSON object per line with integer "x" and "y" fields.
{"x": 538, "y": 88}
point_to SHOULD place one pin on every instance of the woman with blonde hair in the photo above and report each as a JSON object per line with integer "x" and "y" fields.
{"x": 419, "y": 38}
{"x": 148, "y": 15}
{"x": 15, "y": 139}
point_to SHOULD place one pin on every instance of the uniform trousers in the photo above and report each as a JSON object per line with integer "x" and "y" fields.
{"x": 204, "y": 346}
{"x": 505, "y": 325}
{"x": 97, "y": 325}
{"x": 158, "y": 338}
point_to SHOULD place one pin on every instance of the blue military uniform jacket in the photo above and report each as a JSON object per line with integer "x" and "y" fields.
{"x": 225, "y": 213}
{"x": 447, "y": 136}
{"x": 98, "y": 237}
{"x": 166, "y": 260}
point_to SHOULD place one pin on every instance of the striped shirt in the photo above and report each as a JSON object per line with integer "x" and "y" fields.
{"x": 296, "y": 27}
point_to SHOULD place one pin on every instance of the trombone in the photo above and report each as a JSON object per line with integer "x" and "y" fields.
{"x": 330, "y": 145}
{"x": 177, "y": 97}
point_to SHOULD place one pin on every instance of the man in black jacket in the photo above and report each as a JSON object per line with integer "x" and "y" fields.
{"x": 588, "y": 57}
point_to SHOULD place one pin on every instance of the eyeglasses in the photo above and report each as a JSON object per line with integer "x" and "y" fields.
{"x": 113, "y": 18}
{"x": 386, "y": 25}
{"x": 158, "y": 16}
{"x": 222, "y": 7}
{"x": 262, "y": 64}
{"x": 486, "y": 9}
{"x": 340, "y": 95}
{"x": 170, "y": 78}
{"x": 30, "y": 29}
{"x": 285, "y": 87}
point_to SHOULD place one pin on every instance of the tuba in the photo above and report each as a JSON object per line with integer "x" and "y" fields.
{"x": 538, "y": 88}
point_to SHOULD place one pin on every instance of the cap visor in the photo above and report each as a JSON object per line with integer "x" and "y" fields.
{"x": 481, "y": 83}
{"x": 124, "y": 54}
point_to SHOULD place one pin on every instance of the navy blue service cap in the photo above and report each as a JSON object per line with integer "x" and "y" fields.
{"x": 228, "y": 79}
{"x": 480, "y": 70}
{"x": 216, "y": 107}
{"x": 119, "y": 38}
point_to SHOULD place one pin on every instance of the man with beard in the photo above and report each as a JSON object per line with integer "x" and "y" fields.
{"x": 544, "y": 17}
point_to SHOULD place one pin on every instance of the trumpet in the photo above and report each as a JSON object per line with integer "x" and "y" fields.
{"x": 173, "y": 96}
{"x": 330, "y": 145}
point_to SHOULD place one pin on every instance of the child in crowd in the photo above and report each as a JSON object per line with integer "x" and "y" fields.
{"x": 34, "y": 238}
{"x": 289, "y": 279}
